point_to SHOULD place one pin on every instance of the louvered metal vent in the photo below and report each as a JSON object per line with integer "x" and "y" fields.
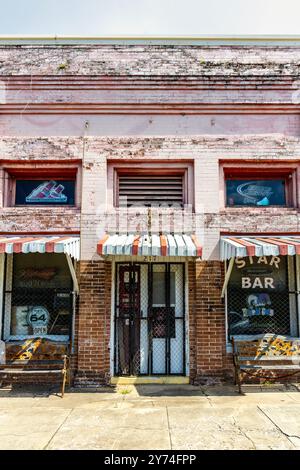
{"x": 151, "y": 190}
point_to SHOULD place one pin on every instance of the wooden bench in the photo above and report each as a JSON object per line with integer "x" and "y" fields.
{"x": 265, "y": 352}
{"x": 37, "y": 357}
{"x": 56, "y": 367}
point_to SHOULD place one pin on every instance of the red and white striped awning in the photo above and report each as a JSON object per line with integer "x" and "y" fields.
{"x": 41, "y": 244}
{"x": 242, "y": 246}
{"x": 149, "y": 245}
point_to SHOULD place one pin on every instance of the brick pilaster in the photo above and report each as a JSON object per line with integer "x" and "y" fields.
{"x": 94, "y": 323}
{"x": 207, "y": 320}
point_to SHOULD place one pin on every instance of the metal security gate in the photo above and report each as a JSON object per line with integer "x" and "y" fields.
{"x": 149, "y": 319}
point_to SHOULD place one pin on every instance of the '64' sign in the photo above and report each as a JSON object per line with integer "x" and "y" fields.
{"x": 38, "y": 318}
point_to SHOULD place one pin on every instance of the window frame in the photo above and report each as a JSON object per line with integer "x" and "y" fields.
{"x": 260, "y": 172}
{"x": 14, "y": 173}
{"x": 161, "y": 168}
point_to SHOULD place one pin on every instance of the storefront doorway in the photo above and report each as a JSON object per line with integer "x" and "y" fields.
{"x": 149, "y": 333}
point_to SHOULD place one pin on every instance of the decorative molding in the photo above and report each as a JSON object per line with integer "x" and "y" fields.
{"x": 150, "y": 82}
{"x": 152, "y": 108}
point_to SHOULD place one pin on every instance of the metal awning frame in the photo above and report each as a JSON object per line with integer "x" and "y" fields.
{"x": 227, "y": 276}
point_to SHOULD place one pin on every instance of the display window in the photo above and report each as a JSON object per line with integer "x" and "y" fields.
{"x": 258, "y": 296}
{"x": 38, "y": 296}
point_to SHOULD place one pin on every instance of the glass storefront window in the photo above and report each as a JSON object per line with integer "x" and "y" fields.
{"x": 45, "y": 192}
{"x": 40, "y": 303}
{"x": 258, "y": 297}
{"x": 256, "y": 192}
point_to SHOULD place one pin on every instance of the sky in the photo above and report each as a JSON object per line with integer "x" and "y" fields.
{"x": 149, "y": 17}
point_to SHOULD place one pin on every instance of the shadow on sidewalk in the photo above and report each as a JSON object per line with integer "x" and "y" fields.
{"x": 147, "y": 390}
{"x": 46, "y": 390}
{"x": 210, "y": 390}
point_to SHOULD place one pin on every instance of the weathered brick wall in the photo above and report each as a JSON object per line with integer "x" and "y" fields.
{"x": 206, "y": 152}
{"x": 149, "y": 125}
{"x": 148, "y": 60}
{"x": 148, "y": 89}
{"x": 38, "y": 148}
{"x": 35, "y": 219}
{"x": 207, "y": 322}
{"x": 30, "y": 152}
{"x": 104, "y": 93}
{"x": 93, "y": 336}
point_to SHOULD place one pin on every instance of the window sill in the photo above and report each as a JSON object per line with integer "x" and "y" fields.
{"x": 261, "y": 209}
{"x": 39, "y": 206}
{"x": 19, "y": 338}
{"x": 153, "y": 209}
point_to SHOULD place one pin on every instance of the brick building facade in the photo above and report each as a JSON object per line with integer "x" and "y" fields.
{"x": 187, "y": 144}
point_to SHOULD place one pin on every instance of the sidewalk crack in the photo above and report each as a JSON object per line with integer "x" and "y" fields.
{"x": 208, "y": 397}
{"x": 277, "y": 426}
{"x": 243, "y": 433}
{"x": 59, "y": 427}
{"x": 169, "y": 430}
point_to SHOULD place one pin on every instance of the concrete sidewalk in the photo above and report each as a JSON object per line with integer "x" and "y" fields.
{"x": 151, "y": 417}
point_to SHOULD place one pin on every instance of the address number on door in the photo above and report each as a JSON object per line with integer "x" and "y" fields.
{"x": 150, "y": 258}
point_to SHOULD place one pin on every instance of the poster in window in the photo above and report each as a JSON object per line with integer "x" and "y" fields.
{"x": 29, "y": 319}
{"x": 41, "y": 192}
{"x": 19, "y": 324}
{"x": 260, "y": 193}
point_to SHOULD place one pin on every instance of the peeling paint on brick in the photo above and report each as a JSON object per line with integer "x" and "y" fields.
{"x": 149, "y": 60}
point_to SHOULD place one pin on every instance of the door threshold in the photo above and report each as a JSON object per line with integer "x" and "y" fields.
{"x": 153, "y": 379}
